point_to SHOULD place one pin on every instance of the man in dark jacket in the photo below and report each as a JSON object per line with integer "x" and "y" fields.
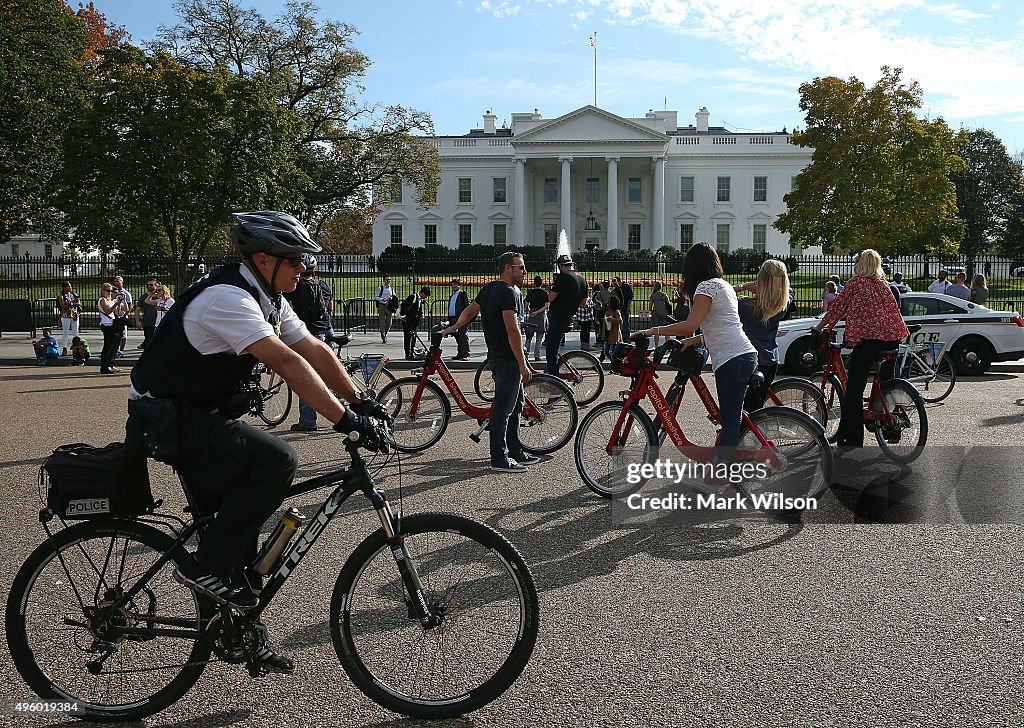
{"x": 457, "y": 303}
{"x": 624, "y": 292}
{"x": 568, "y": 293}
{"x": 411, "y": 312}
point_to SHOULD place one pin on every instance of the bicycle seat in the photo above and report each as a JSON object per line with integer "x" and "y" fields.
{"x": 914, "y": 328}
{"x": 339, "y": 340}
{"x": 883, "y": 355}
{"x": 435, "y": 336}
{"x": 756, "y": 379}
{"x": 527, "y": 326}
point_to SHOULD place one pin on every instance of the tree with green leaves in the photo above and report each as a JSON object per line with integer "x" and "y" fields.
{"x": 1011, "y": 239}
{"x": 347, "y": 146}
{"x": 164, "y": 152}
{"x": 879, "y": 175}
{"x": 41, "y": 82}
{"x": 984, "y": 189}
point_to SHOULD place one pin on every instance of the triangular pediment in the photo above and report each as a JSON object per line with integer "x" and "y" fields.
{"x": 589, "y": 124}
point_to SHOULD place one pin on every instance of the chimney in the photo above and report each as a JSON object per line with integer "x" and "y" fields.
{"x": 489, "y": 120}
{"x": 702, "y": 118}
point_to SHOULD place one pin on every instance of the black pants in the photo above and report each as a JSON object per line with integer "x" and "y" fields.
{"x": 111, "y": 340}
{"x": 756, "y": 396}
{"x": 461, "y": 337}
{"x": 240, "y": 472}
{"x": 851, "y": 424}
{"x": 410, "y": 339}
{"x": 556, "y": 331}
{"x": 147, "y": 334}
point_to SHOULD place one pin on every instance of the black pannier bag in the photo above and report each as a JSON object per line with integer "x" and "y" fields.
{"x": 96, "y": 482}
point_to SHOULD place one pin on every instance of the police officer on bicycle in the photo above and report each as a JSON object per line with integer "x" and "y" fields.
{"x": 188, "y": 388}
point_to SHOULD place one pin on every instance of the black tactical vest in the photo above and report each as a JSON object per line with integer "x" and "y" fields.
{"x": 171, "y": 368}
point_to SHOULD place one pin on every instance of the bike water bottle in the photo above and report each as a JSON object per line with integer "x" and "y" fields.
{"x": 274, "y": 546}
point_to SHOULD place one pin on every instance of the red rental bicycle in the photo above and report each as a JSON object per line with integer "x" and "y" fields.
{"x": 422, "y": 410}
{"x": 615, "y": 436}
{"x": 894, "y": 409}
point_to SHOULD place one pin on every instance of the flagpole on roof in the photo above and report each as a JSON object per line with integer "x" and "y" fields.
{"x": 593, "y": 43}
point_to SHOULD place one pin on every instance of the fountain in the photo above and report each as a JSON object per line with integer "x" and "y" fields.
{"x": 563, "y": 246}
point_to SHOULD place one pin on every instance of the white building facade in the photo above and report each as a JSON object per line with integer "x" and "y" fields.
{"x": 608, "y": 181}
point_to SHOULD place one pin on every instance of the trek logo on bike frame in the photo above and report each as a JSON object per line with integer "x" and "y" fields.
{"x": 307, "y": 538}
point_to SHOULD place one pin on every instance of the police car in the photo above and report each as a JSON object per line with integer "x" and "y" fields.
{"x": 975, "y": 336}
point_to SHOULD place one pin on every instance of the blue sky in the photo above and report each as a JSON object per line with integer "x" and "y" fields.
{"x": 743, "y": 60}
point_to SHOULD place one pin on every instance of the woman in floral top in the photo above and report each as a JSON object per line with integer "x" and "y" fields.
{"x": 873, "y": 324}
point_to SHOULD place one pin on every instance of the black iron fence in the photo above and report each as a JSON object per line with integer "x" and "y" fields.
{"x": 29, "y": 286}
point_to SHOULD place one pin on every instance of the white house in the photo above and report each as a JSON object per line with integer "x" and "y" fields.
{"x": 666, "y": 185}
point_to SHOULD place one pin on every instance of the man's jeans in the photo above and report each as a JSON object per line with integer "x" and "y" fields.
{"x": 625, "y": 324}
{"x": 509, "y": 399}
{"x": 307, "y": 415}
{"x": 731, "y": 383}
{"x": 556, "y": 330}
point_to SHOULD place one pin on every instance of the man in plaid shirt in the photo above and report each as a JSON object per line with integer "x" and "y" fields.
{"x": 585, "y": 318}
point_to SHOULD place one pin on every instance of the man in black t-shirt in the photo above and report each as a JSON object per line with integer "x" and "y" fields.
{"x": 499, "y": 308}
{"x": 567, "y": 294}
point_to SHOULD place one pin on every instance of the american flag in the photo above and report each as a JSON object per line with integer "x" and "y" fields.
{"x": 593, "y": 41}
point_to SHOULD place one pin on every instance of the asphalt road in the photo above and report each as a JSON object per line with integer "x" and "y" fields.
{"x": 897, "y": 603}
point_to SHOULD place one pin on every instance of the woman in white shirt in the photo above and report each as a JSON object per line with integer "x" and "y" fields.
{"x": 160, "y": 298}
{"x": 113, "y": 308}
{"x": 715, "y": 311}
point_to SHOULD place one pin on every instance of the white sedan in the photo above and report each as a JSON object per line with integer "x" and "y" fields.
{"x": 975, "y": 336}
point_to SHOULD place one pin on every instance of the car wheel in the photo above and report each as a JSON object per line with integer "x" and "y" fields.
{"x": 802, "y": 356}
{"x": 972, "y": 356}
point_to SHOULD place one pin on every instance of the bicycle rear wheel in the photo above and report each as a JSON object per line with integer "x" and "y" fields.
{"x": 934, "y": 384}
{"x": 902, "y": 437}
{"x": 805, "y": 469}
{"x": 276, "y": 396}
{"x": 355, "y": 372}
{"x": 483, "y": 382}
{"x": 603, "y": 468}
{"x": 416, "y": 431}
{"x": 558, "y": 415}
{"x": 66, "y": 650}
{"x": 483, "y": 590}
{"x": 591, "y": 374}
{"x": 801, "y": 396}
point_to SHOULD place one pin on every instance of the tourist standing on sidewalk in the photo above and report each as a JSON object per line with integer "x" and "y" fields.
{"x": 600, "y": 297}
{"x": 123, "y": 293}
{"x": 412, "y": 313}
{"x": 387, "y": 304}
{"x": 568, "y": 293}
{"x": 70, "y": 306}
{"x": 500, "y": 318}
{"x": 113, "y": 314}
{"x": 537, "y": 315}
{"x": 612, "y": 328}
{"x": 660, "y": 308}
{"x": 457, "y": 303}
{"x": 624, "y": 292}
{"x": 145, "y": 313}
{"x": 585, "y": 318}
{"x": 313, "y": 302}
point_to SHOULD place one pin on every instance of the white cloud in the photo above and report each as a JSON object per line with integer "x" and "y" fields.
{"x": 502, "y": 10}
{"x": 954, "y": 13}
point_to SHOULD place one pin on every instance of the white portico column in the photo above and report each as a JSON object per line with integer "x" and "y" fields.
{"x": 613, "y": 202}
{"x": 519, "y": 204}
{"x": 658, "y": 231}
{"x": 566, "y": 208}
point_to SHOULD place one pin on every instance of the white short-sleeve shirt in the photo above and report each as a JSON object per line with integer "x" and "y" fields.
{"x": 723, "y": 332}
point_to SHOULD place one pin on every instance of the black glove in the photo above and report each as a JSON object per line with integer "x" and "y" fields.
{"x": 361, "y": 429}
{"x": 367, "y": 406}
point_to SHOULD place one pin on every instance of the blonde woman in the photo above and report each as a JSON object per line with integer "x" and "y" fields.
{"x": 113, "y": 309}
{"x": 873, "y": 324}
{"x": 760, "y": 315}
{"x": 979, "y": 290}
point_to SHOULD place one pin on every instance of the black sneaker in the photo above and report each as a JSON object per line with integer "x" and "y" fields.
{"x": 510, "y": 467}
{"x": 239, "y": 597}
{"x": 269, "y": 660}
{"x": 527, "y": 459}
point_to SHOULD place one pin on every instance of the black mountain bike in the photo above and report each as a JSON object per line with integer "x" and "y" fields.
{"x": 271, "y": 396}
{"x": 432, "y": 616}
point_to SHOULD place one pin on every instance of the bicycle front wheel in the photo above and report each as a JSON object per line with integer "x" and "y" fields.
{"x": 934, "y": 384}
{"x": 550, "y": 416}
{"x": 358, "y": 377}
{"x": 483, "y": 382}
{"x": 277, "y": 398}
{"x": 799, "y": 395}
{"x": 604, "y": 452}
{"x": 590, "y": 373}
{"x": 902, "y": 435}
{"x": 416, "y": 429}
{"x": 834, "y": 394}
{"x": 804, "y": 468}
{"x": 69, "y": 647}
{"x": 478, "y": 584}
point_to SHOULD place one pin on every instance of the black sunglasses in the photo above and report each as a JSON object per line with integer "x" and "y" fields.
{"x": 293, "y": 262}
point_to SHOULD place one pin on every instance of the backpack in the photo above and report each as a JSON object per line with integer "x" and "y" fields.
{"x": 393, "y": 304}
{"x": 311, "y": 302}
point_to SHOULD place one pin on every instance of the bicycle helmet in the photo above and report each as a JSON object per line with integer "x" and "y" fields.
{"x": 309, "y": 260}
{"x": 271, "y": 232}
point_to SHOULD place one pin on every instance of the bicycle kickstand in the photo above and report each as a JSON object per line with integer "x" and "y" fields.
{"x": 475, "y": 436}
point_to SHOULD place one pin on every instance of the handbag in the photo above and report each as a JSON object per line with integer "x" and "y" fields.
{"x": 83, "y": 481}
{"x": 393, "y": 304}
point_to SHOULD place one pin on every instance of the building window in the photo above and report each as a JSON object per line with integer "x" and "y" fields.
{"x": 550, "y": 235}
{"x": 724, "y": 186}
{"x": 501, "y": 190}
{"x": 430, "y": 234}
{"x": 396, "y": 234}
{"x": 633, "y": 193}
{"x": 48, "y": 250}
{"x": 686, "y": 189}
{"x": 685, "y": 235}
{"x": 722, "y": 238}
{"x": 499, "y": 234}
{"x": 593, "y": 190}
{"x": 465, "y": 189}
{"x": 760, "y": 238}
{"x": 15, "y": 249}
{"x": 760, "y": 189}
{"x": 633, "y": 236}
{"x": 465, "y": 234}
{"x": 550, "y": 189}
